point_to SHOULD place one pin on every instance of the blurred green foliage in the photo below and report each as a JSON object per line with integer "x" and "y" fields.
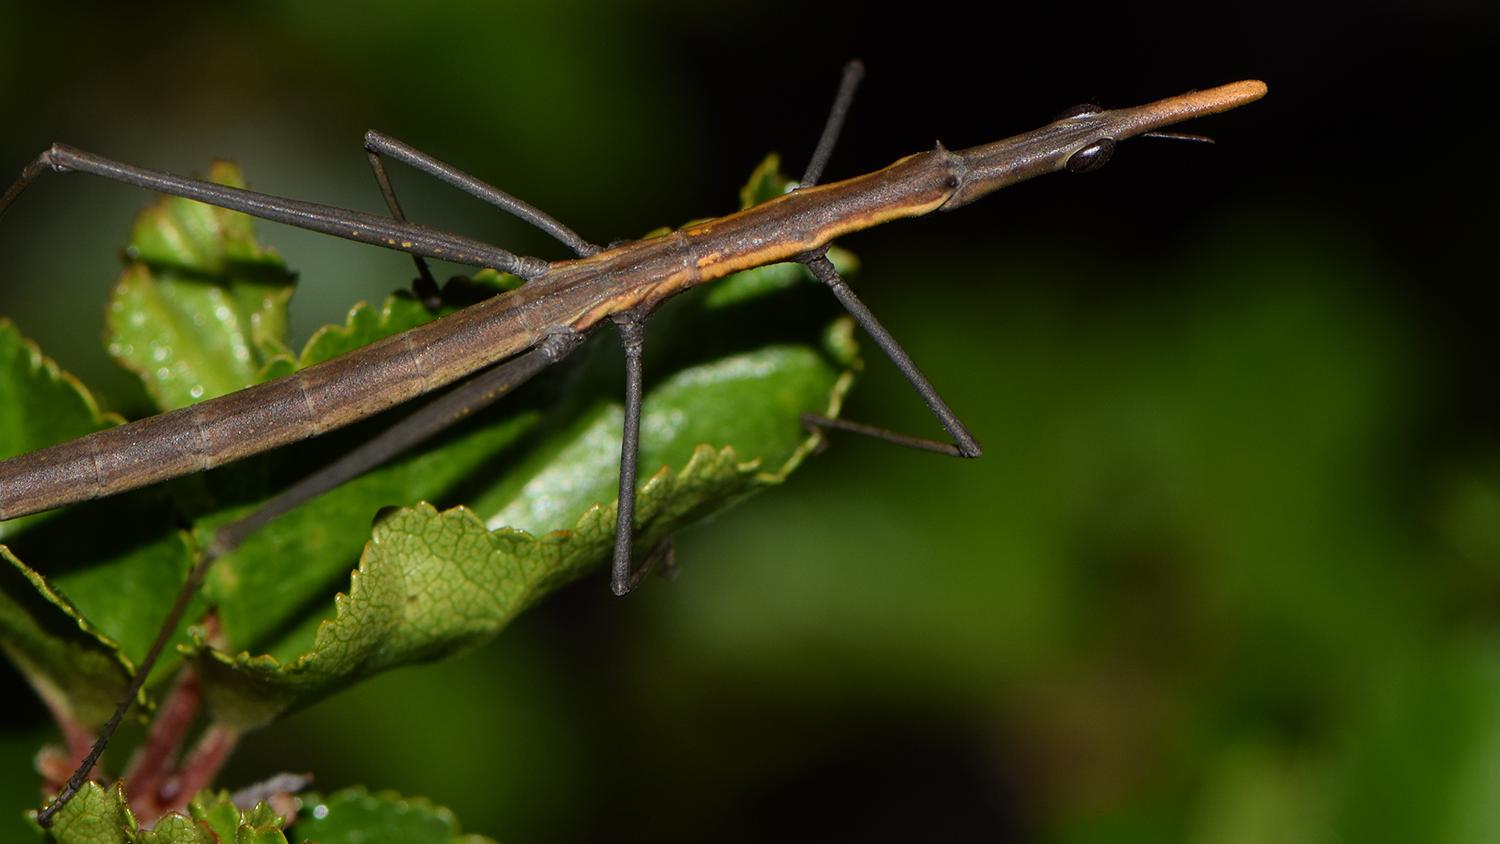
{"x": 1229, "y": 570}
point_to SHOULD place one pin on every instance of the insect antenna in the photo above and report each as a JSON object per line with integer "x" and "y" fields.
{"x": 1180, "y": 136}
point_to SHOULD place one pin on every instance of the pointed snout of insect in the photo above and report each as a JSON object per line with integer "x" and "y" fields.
{"x": 988, "y": 168}
{"x": 1129, "y": 122}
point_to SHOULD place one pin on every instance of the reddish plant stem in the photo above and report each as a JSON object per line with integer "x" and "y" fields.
{"x": 156, "y": 760}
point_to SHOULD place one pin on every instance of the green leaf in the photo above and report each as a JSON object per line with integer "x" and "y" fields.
{"x": 400, "y": 311}
{"x": 99, "y": 815}
{"x": 766, "y": 183}
{"x": 767, "y": 280}
{"x": 729, "y": 389}
{"x": 295, "y": 557}
{"x": 76, "y": 632}
{"x": 178, "y": 829}
{"x": 731, "y": 368}
{"x": 708, "y": 403}
{"x": 74, "y": 667}
{"x": 281, "y": 567}
{"x": 215, "y": 811}
{"x": 42, "y": 406}
{"x": 432, "y": 583}
{"x": 78, "y": 628}
{"x": 355, "y": 816}
{"x": 95, "y": 815}
{"x": 202, "y": 309}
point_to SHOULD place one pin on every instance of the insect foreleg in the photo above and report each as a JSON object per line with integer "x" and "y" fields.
{"x": 963, "y": 445}
{"x": 28, "y": 175}
{"x": 339, "y": 222}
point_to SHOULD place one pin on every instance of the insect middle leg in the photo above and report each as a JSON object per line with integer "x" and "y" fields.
{"x": 378, "y": 145}
{"x": 622, "y": 578}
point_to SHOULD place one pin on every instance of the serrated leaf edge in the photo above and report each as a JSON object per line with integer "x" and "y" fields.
{"x": 348, "y": 327}
{"x": 113, "y": 799}
{"x": 703, "y": 454}
{"x": 40, "y": 679}
{"x": 41, "y": 364}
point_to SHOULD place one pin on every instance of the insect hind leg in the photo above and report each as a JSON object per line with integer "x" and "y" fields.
{"x": 963, "y": 445}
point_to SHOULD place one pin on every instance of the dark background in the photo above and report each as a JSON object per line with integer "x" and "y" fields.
{"x": 1230, "y": 568}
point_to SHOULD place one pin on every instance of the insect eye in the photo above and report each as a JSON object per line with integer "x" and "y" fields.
{"x": 1080, "y": 110}
{"x": 1091, "y": 157}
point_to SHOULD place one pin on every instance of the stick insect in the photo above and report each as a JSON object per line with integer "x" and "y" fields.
{"x": 515, "y": 335}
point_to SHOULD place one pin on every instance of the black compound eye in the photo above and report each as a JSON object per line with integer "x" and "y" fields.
{"x": 1079, "y": 110}
{"x": 1091, "y": 157}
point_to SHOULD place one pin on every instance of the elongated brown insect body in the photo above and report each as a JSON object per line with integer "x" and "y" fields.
{"x": 575, "y": 294}
{"x": 517, "y": 334}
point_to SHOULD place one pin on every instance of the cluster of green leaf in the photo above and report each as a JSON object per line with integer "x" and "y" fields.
{"x": 200, "y": 312}
{"x": 100, "y": 815}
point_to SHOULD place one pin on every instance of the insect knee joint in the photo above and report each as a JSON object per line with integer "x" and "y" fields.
{"x": 559, "y": 342}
